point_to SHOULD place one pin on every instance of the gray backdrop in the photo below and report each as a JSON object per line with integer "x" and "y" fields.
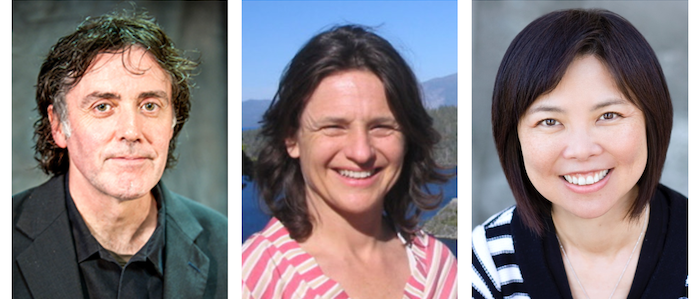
{"x": 495, "y": 23}
{"x": 201, "y": 173}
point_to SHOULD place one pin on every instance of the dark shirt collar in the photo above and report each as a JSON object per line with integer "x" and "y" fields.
{"x": 87, "y": 247}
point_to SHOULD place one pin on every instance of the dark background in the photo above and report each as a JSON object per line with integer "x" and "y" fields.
{"x": 199, "y": 27}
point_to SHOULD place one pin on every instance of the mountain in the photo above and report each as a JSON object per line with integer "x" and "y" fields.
{"x": 440, "y": 92}
{"x": 253, "y": 111}
{"x": 436, "y": 93}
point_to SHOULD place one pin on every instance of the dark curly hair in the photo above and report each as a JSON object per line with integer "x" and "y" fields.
{"x": 537, "y": 60}
{"x": 351, "y": 47}
{"x": 73, "y": 54}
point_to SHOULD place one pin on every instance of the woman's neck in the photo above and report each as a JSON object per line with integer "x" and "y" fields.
{"x": 605, "y": 235}
{"x": 354, "y": 234}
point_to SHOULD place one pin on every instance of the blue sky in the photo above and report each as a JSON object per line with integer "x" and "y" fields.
{"x": 424, "y": 32}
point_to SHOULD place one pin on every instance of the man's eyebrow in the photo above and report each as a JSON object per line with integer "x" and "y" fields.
{"x": 153, "y": 94}
{"x": 99, "y": 95}
{"x": 114, "y": 96}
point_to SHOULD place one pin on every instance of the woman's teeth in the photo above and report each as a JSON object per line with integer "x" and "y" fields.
{"x": 355, "y": 174}
{"x": 586, "y": 180}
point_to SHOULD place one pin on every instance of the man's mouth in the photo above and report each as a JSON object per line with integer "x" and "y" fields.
{"x": 587, "y": 179}
{"x": 356, "y": 174}
{"x": 129, "y": 158}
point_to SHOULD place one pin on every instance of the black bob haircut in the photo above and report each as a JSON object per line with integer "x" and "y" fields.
{"x": 536, "y": 61}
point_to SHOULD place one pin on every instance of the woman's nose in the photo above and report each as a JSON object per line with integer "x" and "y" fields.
{"x": 359, "y": 148}
{"x": 582, "y": 144}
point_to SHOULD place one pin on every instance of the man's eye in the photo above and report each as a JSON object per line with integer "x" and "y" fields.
{"x": 103, "y": 107}
{"x": 150, "y": 106}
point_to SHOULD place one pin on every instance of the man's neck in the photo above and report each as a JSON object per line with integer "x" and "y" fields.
{"x": 120, "y": 226}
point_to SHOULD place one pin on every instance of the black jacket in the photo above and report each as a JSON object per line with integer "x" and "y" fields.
{"x": 44, "y": 262}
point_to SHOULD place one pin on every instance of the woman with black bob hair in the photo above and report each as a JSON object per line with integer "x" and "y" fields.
{"x": 347, "y": 156}
{"x": 582, "y": 120}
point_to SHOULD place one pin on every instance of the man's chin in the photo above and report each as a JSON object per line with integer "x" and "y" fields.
{"x": 126, "y": 190}
{"x": 130, "y": 196}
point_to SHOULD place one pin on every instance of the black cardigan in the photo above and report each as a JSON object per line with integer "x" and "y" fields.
{"x": 662, "y": 269}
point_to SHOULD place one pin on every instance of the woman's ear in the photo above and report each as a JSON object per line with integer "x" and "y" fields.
{"x": 59, "y": 137}
{"x": 292, "y": 147}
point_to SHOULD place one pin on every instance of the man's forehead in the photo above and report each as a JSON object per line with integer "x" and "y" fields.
{"x": 129, "y": 70}
{"x": 134, "y": 59}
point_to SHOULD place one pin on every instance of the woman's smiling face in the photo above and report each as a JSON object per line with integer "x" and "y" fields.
{"x": 584, "y": 143}
{"x": 349, "y": 144}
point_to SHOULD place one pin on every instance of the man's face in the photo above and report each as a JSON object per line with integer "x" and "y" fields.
{"x": 118, "y": 127}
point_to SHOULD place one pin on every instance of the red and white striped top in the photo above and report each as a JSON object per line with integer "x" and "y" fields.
{"x": 275, "y": 266}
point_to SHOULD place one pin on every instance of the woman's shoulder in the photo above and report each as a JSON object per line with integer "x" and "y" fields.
{"x": 273, "y": 238}
{"x": 270, "y": 246}
{"x": 676, "y": 204}
{"x": 428, "y": 245}
{"x": 494, "y": 236}
{"x": 271, "y": 260}
{"x": 500, "y": 219}
{"x": 673, "y": 197}
{"x": 434, "y": 267}
{"x": 494, "y": 239}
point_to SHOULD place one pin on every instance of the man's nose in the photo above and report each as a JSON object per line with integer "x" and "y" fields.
{"x": 582, "y": 144}
{"x": 359, "y": 147}
{"x": 129, "y": 126}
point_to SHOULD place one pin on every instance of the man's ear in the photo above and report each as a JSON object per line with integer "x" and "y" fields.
{"x": 59, "y": 137}
{"x": 292, "y": 147}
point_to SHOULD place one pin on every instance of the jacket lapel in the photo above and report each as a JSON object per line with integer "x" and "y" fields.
{"x": 186, "y": 266}
{"x": 48, "y": 264}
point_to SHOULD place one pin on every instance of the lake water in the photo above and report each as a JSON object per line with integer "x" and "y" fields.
{"x": 254, "y": 219}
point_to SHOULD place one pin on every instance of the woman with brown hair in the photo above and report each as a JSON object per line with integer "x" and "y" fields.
{"x": 348, "y": 154}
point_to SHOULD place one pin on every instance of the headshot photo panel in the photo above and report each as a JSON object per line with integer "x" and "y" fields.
{"x": 580, "y": 114}
{"x": 119, "y": 149}
{"x": 349, "y": 118}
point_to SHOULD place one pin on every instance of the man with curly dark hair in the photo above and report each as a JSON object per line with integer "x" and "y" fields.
{"x": 112, "y": 98}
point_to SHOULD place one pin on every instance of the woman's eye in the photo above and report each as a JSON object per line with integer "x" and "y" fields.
{"x": 384, "y": 127}
{"x": 331, "y": 128}
{"x": 103, "y": 107}
{"x": 382, "y": 130}
{"x": 549, "y": 122}
{"x": 609, "y": 115}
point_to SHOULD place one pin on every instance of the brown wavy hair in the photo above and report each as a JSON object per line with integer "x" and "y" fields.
{"x": 278, "y": 176}
{"x": 535, "y": 63}
{"x": 73, "y": 54}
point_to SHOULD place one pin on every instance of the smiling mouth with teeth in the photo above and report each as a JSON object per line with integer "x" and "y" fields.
{"x": 355, "y": 174}
{"x": 586, "y": 180}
